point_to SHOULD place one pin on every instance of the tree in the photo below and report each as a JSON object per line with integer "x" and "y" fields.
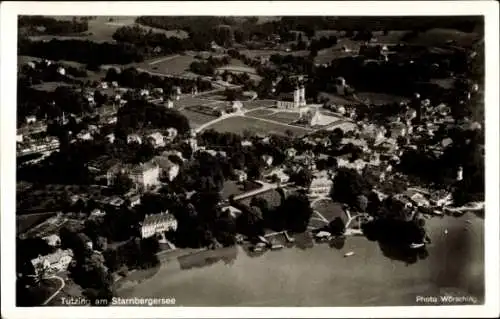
{"x": 362, "y": 203}
{"x": 297, "y": 211}
{"x": 337, "y": 227}
{"x": 122, "y": 183}
{"x": 302, "y": 178}
{"x": 348, "y": 185}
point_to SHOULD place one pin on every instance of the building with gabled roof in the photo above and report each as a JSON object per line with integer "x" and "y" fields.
{"x": 157, "y": 223}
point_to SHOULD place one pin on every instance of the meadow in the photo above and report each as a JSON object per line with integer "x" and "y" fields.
{"x": 239, "y": 124}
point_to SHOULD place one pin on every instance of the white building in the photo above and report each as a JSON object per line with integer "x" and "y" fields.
{"x": 144, "y": 175}
{"x": 111, "y": 138}
{"x": 84, "y": 136}
{"x": 241, "y": 176}
{"x": 280, "y": 175}
{"x": 61, "y": 71}
{"x": 293, "y": 100}
{"x": 157, "y": 139}
{"x": 268, "y": 159}
{"x": 30, "y": 119}
{"x": 104, "y": 85}
{"x": 340, "y": 85}
{"x": 52, "y": 263}
{"x": 171, "y": 133}
{"x": 144, "y": 92}
{"x": 157, "y": 224}
{"x": 169, "y": 104}
{"x": 290, "y": 152}
{"x": 19, "y": 138}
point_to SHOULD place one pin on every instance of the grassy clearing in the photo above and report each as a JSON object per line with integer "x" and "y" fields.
{"x": 240, "y": 124}
{"x": 172, "y": 65}
{"x": 260, "y": 113}
{"x": 379, "y": 98}
{"x": 268, "y": 53}
{"x": 249, "y": 105}
{"x": 197, "y": 119}
{"x": 283, "y": 117}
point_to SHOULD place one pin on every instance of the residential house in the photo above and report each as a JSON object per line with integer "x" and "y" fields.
{"x": 241, "y": 176}
{"x": 103, "y": 85}
{"x": 290, "y": 152}
{"x": 52, "y": 263}
{"x": 144, "y": 92}
{"x": 157, "y": 139}
{"x": 174, "y": 153}
{"x": 134, "y": 138}
{"x": 169, "y": 104}
{"x": 171, "y": 133}
{"x": 321, "y": 185}
{"x": 357, "y": 165}
{"x": 279, "y": 175}
{"x": 268, "y": 159}
{"x": 114, "y": 84}
{"x": 110, "y": 137}
{"x": 441, "y": 198}
{"x": 19, "y": 138}
{"x": 233, "y": 211}
{"x": 30, "y": 119}
{"x": 84, "y": 136}
{"x": 418, "y": 199}
{"x": 52, "y": 240}
{"x": 246, "y": 143}
{"x": 97, "y": 213}
{"x": 157, "y": 224}
{"x": 61, "y": 70}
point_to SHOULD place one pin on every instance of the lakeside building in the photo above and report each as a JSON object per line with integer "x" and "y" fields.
{"x": 157, "y": 224}
{"x": 56, "y": 262}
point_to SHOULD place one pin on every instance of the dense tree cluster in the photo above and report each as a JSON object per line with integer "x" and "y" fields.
{"x": 209, "y": 66}
{"x": 138, "y": 114}
{"x": 132, "y": 78}
{"x": 142, "y": 37}
{"x": 83, "y": 51}
{"x": 35, "y": 25}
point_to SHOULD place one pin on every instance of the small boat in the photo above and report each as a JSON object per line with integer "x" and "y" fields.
{"x": 276, "y": 247}
{"x": 415, "y": 246}
{"x": 348, "y": 254}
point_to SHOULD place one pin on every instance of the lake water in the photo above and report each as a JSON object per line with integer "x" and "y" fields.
{"x": 322, "y": 276}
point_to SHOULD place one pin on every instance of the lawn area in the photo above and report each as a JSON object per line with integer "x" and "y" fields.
{"x": 379, "y": 98}
{"x": 260, "y": 113}
{"x": 249, "y": 105}
{"x": 190, "y": 101}
{"x": 239, "y": 124}
{"x": 283, "y": 117}
{"x": 197, "y": 119}
{"x": 172, "y": 65}
{"x": 330, "y": 209}
{"x": 50, "y": 86}
{"x": 235, "y": 188}
{"x": 46, "y": 288}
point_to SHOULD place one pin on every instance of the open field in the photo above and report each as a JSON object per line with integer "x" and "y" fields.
{"x": 283, "y": 117}
{"x": 188, "y": 101}
{"x": 197, "y": 119}
{"x": 268, "y": 53}
{"x": 172, "y": 65}
{"x": 239, "y": 124}
{"x": 379, "y": 98}
{"x": 260, "y": 113}
{"x": 249, "y": 105}
{"x": 101, "y": 29}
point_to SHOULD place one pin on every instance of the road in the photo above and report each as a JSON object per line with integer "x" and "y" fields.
{"x": 63, "y": 284}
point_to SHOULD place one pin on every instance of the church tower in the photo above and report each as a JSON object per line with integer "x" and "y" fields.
{"x": 296, "y": 97}
{"x": 302, "y": 95}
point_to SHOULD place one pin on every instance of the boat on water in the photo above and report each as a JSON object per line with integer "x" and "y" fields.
{"x": 348, "y": 254}
{"x": 277, "y": 246}
{"x": 415, "y": 246}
